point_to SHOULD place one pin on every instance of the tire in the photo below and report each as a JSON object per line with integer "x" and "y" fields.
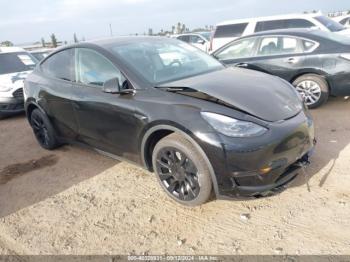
{"x": 311, "y": 86}
{"x": 43, "y": 130}
{"x": 189, "y": 171}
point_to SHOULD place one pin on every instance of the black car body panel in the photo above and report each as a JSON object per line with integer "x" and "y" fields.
{"x": 253, "y": 92}
{"x": 325, "y": 60}
{"x": 124, "y": 124}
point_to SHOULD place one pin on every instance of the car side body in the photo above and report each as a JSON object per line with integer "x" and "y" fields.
{"x": 131, "y": 123}
{"x": 291, "y": 54}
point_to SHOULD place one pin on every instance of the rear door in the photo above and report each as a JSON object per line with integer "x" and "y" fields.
{"x": 56, "y": 92}
{"x": 282, "y": 56}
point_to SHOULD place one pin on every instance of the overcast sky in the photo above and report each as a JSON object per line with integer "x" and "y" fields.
{"x": 25, "y": 21}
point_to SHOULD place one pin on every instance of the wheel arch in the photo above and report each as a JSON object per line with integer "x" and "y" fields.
{"x": 314, "y": 72}
{"x": 156, "y": 133}
{"x": 30, "y": 107}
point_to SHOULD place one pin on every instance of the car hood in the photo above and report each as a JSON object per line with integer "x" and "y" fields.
{"x": 14, "y": 80}
{"x": 264, "y": 96}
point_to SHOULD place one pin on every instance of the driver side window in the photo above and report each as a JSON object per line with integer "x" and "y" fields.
{"x": 92, "y": 68}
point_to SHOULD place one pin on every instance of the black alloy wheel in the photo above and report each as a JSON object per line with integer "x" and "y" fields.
{"x": 178, "y": 173}
{"x": 43, "y": 130}
{"x": 183, "y": 170}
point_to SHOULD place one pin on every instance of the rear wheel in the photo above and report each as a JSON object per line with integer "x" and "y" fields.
{"x": 182, "y": 170}
{"x": 43, "y": 130}
{"x": 313, "y": 89}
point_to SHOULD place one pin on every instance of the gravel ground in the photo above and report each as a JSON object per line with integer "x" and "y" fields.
{"x": 75, "y": 201}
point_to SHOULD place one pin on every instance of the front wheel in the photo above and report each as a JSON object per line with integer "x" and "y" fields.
{"x": 313, "y": 89}
{"x": 182, "y": 170}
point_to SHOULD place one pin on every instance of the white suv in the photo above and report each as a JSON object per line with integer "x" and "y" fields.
{"x": 227, "y": 31}
{"x": 15, "y": 65}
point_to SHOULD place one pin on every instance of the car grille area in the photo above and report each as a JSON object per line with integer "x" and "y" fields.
{"x": 18, "y": 93}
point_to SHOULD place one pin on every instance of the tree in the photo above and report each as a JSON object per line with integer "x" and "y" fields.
{"x": 75, "y": 38}
{"x": 43, "y": 42}
{"x": 183, "y": 28}
{"x": 6, "y": 43}
{"x": 53, "y": 40}
{"x": 150, "y": 31}
{"x": 173, "y": 29}
{"x": 178, "y": 28}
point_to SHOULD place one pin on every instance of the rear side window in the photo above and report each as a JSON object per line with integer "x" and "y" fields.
{"x": 60, "y": 65}
{"x": 277, "y": 45}
{"x": 283, "y": 24}
{"x": 308, "y": 46}
{"x": 235, "y": 30}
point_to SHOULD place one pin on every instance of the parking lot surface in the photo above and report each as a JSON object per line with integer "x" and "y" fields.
{"x": 75, "y": 201}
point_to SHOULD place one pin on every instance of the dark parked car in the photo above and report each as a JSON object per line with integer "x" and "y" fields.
{"x": 175, "y": 110}
{"x": 316, "y": 62}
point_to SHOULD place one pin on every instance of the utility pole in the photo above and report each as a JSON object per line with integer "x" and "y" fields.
{"x": 110, "y": 29}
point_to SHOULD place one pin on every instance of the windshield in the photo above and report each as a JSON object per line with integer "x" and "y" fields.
{"x": 16, "y": 62}
{"x": 166, "y": 60}
{"x": 342, "y": 39}
{"x": 206, "y": 35}
{"x": 332, "y": 25}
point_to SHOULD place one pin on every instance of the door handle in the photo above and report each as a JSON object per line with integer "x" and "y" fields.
{"x": 292, "y": 60}
{"x": 242, "y": 65}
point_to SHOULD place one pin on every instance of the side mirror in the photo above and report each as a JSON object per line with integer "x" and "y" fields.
{"x": 201, "y": 42}
{"x": 112, "y": 86}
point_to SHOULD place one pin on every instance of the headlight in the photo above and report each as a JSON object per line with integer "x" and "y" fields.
{"x": 345, "y": 56}
{"x": 233, "y": 127}
{"x": 4, "y": 88}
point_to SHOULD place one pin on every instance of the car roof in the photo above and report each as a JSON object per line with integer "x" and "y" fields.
{"x": 108, "y": 43}
{"x": 125, "y": 40}
{"x": 275, "y": 17}
{"x": 12, "y": 49}
{"x": 301, "y": 32}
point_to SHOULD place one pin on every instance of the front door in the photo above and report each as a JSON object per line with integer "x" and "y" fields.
{"x": 106, "y": 121}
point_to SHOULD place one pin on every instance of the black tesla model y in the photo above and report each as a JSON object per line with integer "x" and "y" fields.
{"x": 174, "y": 110}
{"x": 316, "y": 62}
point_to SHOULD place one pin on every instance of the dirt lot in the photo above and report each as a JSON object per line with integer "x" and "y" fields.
{"x": 74, "y": 201}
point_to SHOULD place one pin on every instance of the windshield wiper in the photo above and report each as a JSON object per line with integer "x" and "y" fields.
{"x": 176, "y": 89}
